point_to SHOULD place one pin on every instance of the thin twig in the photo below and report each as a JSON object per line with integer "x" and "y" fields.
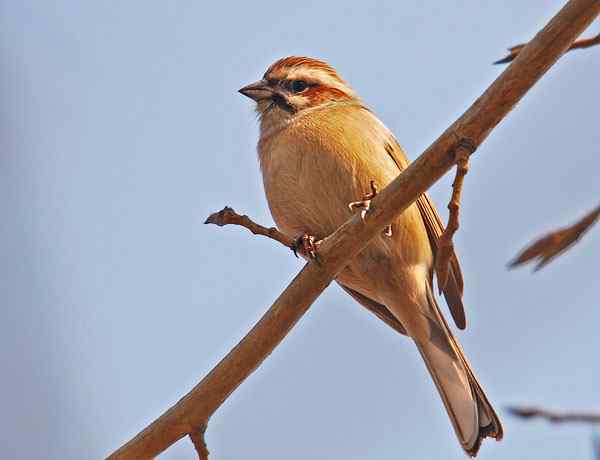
{"x": 555, "y": 243}
{"x": 445, "y": 244}
{"x": 555, "y": 417}
{"x": 197, "y": 437}
{"x": 338, "y": 249}
{"x": 515, "y": 50}
{"x": 228, "y": 216}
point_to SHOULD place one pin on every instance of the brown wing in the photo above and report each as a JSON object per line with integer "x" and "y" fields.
{"x": 454, "y": 287}
{"x": 376, "y": 308}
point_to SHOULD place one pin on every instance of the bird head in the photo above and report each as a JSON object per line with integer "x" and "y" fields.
{"x": 294, "y": 84}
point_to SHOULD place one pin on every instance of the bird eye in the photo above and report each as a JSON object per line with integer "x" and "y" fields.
{"x": 297, "y": 86}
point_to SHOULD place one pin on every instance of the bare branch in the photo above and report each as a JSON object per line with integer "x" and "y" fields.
{"x": 445, "y": 243}
{"x": 515, "y": 50}
{"x": 197, "y": 437}
{"x": 555, "y": 417}
{"x": 228, "y": 216}
{"x": 338, "y": 249}
{"x": 555, "y": 243}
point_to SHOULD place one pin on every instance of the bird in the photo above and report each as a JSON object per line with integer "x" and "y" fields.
{"x": 320, "y": 149}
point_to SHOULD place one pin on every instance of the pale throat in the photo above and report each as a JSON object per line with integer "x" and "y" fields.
{"x": 273, "y": 121}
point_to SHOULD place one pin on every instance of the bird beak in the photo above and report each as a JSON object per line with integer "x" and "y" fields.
{"x": 257, "y": 91}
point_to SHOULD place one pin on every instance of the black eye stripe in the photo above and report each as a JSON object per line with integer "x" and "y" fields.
{"x": 296, "y": 86}
{"x": 281, "y": 102}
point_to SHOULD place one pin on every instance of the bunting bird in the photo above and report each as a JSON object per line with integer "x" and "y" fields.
{"x": 320, "y": 148}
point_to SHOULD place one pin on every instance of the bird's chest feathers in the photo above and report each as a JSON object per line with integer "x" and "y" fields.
{"x": 308, "y": 180}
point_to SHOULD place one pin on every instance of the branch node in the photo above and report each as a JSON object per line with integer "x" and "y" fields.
{"x": 197, "y": 437}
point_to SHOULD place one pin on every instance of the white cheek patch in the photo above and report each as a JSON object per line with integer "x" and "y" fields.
{"x": 298, "y": 100}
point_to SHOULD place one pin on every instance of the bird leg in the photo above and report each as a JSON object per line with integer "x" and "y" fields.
{"x": 365, "y": 205}
{"x": 307, "y": 246}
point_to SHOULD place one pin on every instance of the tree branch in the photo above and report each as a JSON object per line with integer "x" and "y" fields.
{"x": 445, "y": 243}
{"x": 228, "y": 216}
{"x": 555, "y": 417}
{"x": 194, "y": 409}
{"x": 197, "y": 437}
{"x": 515, "y": 50}
{"x": 555, "y": 243}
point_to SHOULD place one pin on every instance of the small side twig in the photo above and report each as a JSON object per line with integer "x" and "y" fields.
{"x": 228, "y": 216}
{"x": 515, "y": 50}
{"x": 555, "y": 417}
{"x": 555, "y": 243}
{"x": 197, "y": 437}
{"x": 445, "y": 243}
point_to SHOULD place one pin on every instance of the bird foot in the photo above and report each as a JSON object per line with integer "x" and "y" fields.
{"x": 307, "y": 246}
{"x": 365, "y": 204}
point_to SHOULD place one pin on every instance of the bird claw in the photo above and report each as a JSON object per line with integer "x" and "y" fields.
{"x": 307, "y": 246}
{"x": 365, "y": 204}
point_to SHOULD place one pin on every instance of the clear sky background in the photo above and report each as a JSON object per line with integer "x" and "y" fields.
{"x": 122, "y": 129}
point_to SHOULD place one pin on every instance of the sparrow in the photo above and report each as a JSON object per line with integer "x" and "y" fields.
{"x": 320, "y": 149}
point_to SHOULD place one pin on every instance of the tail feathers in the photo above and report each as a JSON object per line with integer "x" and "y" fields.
{"x": 472, "y": 415}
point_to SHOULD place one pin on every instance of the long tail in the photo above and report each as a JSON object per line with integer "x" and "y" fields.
{"x": 472, "y": 415}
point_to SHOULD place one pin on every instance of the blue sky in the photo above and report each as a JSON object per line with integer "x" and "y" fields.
{"x": 122, "y": 129}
